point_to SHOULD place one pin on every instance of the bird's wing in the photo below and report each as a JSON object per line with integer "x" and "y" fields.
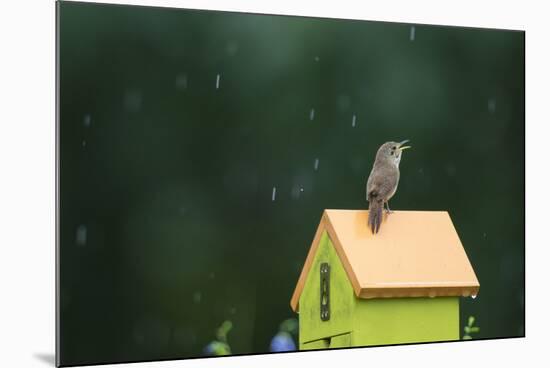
{"x": 383, "y": 182}
{"x": 389, "y": 184}
{"x": 371, "y": 184}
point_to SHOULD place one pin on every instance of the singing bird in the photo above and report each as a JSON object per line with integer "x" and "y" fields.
{"x": 383, "y": 180}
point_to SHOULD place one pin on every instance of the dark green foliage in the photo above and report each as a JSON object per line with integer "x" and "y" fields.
{"x": 470, "y": 329}
{"x": 220, "y": 346}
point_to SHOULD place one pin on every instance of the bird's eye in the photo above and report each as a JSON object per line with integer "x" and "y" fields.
{"x": 391, "y": 152}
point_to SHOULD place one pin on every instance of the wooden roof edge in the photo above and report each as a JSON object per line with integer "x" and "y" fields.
{"x": 434, "y": 285}
{"x": 366, "y": 210}
{"x": 324, "y": 224}
{"x": 420, "y": 291}
{"x": 343, "y": 257}
{"x": 463, "y": 249}
{"x": 307, "y": 264}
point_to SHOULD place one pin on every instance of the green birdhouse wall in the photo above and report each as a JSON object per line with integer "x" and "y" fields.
{"x": 401, "y": 285}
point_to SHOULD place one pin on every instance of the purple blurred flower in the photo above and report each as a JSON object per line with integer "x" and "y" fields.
{"x": 282, "y": 342}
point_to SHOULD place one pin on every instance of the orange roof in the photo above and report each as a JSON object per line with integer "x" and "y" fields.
{"x": 415, "y": 254}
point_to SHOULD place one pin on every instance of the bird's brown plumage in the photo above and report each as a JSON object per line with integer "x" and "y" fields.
{"x": 383, "y": 181}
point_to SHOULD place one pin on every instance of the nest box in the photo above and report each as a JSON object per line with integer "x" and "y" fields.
{"x": 401, "y": 285}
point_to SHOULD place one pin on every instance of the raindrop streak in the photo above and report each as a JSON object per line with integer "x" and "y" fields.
{"x": 492, "y": 105}
{"x": 353, "y": 121}
{"x": 273, "y": 194}
{"x": 197, "y": 296}
{"x": 181, "y": 81}
{"x": 411, "y": 37}
{"x": 81, "y": 235}
{"x": 87, "y": 120}
{"x": 316, "y": 164}
{"x": 312, "y": 114}
{"x": 217, "y": 81}
{"x": 83, "y": 143}
{"x": 295, "y": 192}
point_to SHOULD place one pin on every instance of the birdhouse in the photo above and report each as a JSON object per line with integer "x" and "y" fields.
{"x": 401, "y": 285}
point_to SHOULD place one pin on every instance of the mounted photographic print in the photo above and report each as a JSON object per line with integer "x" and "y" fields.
{"x": 234, "y": 183}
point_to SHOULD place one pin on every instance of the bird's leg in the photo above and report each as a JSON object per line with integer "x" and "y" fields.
{"x": 388, "y": 211}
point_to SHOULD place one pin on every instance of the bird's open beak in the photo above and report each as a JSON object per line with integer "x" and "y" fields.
{"x": 401, "y": 147}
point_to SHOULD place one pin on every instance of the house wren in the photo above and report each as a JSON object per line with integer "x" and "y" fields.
{"x": 383, "y": 180}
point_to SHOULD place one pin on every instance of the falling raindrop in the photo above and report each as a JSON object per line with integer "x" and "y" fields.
{"x": 316, "y": 164}
{"x": 311, "y": 114}
{"x": 87, "y": 120}
{"x": 83, "y": 143}
{"x": 197, "y": 296}
{"x": 316, "y": 58}
{"x": 212, "y": 275}
{"x": 353, "y": 121}
{"x": 81, "y": 235}
{"x": 273, "y": 193}
{"x": 295, "y": 192}
{"x": 412, "y": 34}
{"x": 492, "y": 105}
{"x": 181, "y": 81}
{"x": 217, "y": 81}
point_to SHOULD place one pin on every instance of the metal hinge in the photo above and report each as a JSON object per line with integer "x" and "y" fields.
{"x": 325, "y": 291}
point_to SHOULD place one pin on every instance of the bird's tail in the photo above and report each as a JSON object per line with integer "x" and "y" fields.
{"x": 375, "y": 214}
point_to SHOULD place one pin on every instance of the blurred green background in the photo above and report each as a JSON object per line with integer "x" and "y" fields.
{"x": 199, "y": 149}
